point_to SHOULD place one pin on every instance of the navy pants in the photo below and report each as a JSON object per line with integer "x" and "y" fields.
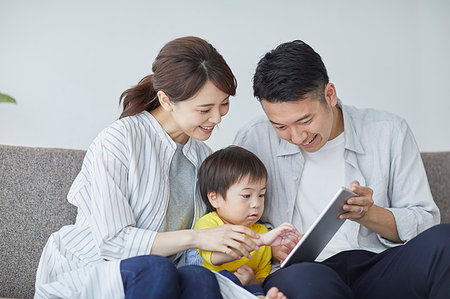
{"x": 253, "y": 288}
{"x": 418, "y": 269}
{"x": 152, "y": 276}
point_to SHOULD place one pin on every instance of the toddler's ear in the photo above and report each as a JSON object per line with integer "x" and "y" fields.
{"x": 213, "y": 199}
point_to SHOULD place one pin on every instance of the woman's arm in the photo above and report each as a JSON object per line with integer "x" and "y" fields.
{"x": 234, "y": 241}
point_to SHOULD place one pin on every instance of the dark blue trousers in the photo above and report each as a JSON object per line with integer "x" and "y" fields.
{"x": 417, "y": 269}
{"x": 253, "y": 288}
{"x": 152, "y": 276}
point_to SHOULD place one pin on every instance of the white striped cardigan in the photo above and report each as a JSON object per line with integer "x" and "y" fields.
{"x": 122, "y": 194}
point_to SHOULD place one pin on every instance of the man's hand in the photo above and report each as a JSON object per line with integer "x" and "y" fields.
{"x": 357, "y": 207}
{"x": 362, "y": 210}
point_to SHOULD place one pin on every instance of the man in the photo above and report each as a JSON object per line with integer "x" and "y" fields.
{"x": 311, "y": 145}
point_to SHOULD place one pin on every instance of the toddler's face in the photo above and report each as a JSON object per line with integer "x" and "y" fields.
{"x": 243, "y": 203}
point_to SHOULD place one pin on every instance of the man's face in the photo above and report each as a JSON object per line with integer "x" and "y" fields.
{"x": 309, "y": 122}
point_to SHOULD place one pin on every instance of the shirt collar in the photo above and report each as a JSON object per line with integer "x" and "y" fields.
{"x": 351, "y": 142}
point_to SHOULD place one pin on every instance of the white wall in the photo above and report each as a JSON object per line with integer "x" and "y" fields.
{"x": 67, "y": 62}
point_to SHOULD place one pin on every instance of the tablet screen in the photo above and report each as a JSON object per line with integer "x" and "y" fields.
{"x": 321, "y": 231}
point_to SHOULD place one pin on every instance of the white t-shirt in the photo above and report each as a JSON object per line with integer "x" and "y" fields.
{"x": 322, "y": 176}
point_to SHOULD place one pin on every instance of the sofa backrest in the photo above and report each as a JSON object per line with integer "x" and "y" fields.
{"x": 437, "y": 166}
{"x": 33, "y": 187}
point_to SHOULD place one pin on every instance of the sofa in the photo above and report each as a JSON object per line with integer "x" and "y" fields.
{"x": 33, "y": 186}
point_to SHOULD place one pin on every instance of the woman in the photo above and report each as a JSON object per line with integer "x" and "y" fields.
{"x": 136, "y": 193}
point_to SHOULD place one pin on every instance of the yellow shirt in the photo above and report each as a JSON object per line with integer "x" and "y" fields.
{"x": 260, "y": 261}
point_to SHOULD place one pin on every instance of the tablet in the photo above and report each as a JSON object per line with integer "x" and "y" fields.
{"x": 321, "y": 231}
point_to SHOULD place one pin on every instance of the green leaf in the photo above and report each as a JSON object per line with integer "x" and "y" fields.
{"x": 6, "y": 98}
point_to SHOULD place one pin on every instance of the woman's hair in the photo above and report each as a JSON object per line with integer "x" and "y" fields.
{"x": 180, "y": 70}
{"x": 226, "y": 167}
{"x": 290, "y": 72}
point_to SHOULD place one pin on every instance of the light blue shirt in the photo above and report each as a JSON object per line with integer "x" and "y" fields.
{"x": 380, "y": 152}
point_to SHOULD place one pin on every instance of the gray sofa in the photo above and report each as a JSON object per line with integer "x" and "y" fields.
{"x": 33, "y": 186}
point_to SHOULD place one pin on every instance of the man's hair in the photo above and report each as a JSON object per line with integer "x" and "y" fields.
{"x": 226, "y": 167}
{"x": 289, "y": 72}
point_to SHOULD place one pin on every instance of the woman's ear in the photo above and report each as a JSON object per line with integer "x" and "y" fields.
{"x": 165, "y": 101}
{"x": 213, "y": 199}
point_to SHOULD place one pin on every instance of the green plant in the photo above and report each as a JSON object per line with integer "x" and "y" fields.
{"x": 6, "y": 98}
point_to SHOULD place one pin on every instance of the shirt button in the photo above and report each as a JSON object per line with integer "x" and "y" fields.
{"x": 294, "y": 178}
{"x": 287, "y": 211}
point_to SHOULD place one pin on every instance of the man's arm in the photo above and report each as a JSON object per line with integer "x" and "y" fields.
{"x": 406, "y": 207}
{"x": 362, "y": 210}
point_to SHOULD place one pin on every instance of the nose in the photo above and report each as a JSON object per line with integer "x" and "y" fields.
{"x": 255, "y": 203}
{"x": 216, "y": 117}
{"x": 298, "y": 136}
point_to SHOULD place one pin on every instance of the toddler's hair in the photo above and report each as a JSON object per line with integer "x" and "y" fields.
{"x": 226, "y": 167}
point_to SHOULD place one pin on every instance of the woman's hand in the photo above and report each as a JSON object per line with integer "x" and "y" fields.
{"x": 235, "y": 241}
{"x": 284, "y": 234}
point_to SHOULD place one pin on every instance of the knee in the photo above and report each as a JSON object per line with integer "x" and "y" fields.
{"x": 309, "y": 269}
{"x": 306, "y": 272}
{"x": 438, "y": 236}
{"x": 312, "y": 280}
{"x": 198, "y": 282}
{"x": 149, "y": 265}
{"x": 441, "y": 230}
{"x": 194, "y": 272}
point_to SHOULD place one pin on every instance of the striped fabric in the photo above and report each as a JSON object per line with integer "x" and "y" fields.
{"x": 122, "y": 194}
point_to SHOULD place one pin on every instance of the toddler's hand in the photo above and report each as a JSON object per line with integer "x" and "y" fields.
{"x": 285, "y": 234}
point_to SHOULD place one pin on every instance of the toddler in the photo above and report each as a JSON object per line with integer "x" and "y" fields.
{"x": 232, "y": 184}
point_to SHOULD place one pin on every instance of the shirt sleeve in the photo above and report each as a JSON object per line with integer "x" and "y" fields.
{"x": 206, "y": 221}
{"x": 265, "y": 264}
{"x": 111, "y": 217}
{"x": 411, "y": 201}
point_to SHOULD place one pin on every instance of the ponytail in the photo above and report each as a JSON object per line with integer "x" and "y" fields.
{"x": 139, "y": 98}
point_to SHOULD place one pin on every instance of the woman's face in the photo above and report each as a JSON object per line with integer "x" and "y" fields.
{"x": 196, "y": 117}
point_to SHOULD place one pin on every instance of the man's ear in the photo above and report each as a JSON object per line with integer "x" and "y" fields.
{"x": 165, "y": 101}
{"x": 213, "y": 199}
{"x": 330, "y": 94}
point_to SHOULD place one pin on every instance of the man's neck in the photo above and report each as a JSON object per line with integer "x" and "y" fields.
{"x": 338, "y": 123}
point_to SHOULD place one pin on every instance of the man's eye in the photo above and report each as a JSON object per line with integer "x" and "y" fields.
{"x": 280, "y": 128}
{"x": 262, "y": 195}
{"x": 225, "y": 104}
{"x": 204, "y": 111}
{"x": 246, "y": 195}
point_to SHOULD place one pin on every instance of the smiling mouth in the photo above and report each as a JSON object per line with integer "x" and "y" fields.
{"x": 309, "y": 141}
{"x": 209, "y": 129}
